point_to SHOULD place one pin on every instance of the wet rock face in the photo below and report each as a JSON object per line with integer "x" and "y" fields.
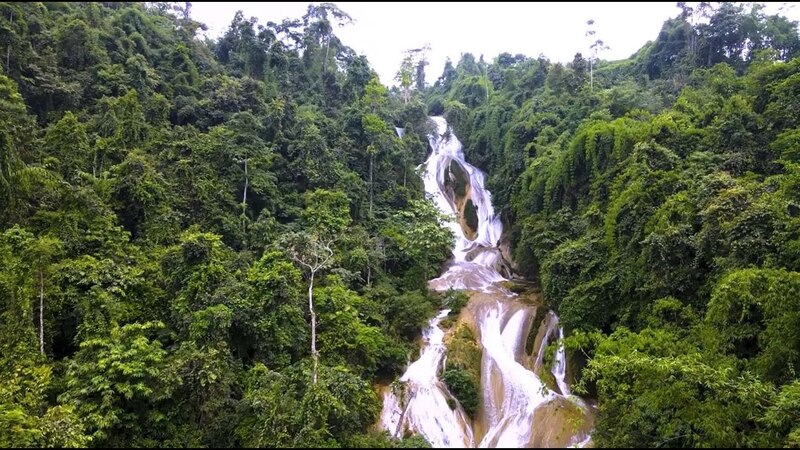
{"x": 469, "y": 216}
{"x": 457, "y": 179}
{"x": 560, "y": 423}
{"x": 458, "y": 190}
{"x": 505, "y": 252}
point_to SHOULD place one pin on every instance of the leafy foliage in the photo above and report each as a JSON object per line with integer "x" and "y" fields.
{"x": 152, "y": 185}
{"x": 655, "y": 199}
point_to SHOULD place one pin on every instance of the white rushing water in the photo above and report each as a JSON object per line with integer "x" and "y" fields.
{"x": 510, "y": 392}
{"x": 510, "y": 409}
{"x": 560, "y": 364}
{"x": 426, "y": 410}
{"x": 447, "y": 150}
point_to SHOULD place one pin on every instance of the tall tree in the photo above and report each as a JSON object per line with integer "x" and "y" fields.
{"x": 42, "y": 253}
{"x": 320, "y": 26}
{"x": 326, "y": 216}
{"x": 313, "y": 253}
{"x": 412, "y": 70}
{"x": 67, "y": 140}
{"x": 377, "y": 130}
{"x": 595, "y": 47}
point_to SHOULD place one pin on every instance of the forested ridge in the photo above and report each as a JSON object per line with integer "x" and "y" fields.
{"x": 226, "y": 243}
{"x": 163, "y": 202}
{"x": 657, "y": 200}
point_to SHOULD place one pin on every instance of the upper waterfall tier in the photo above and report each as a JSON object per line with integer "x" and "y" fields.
{"x": 457, "y": 188}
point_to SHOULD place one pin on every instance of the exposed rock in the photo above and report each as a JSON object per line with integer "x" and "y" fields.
{"x": 505, "y": 252}
{"x": 546, "y": 327}
{"x": 560, "y": 423}
{"x": 458, "y": 191}
{"x": 557, "y": 423}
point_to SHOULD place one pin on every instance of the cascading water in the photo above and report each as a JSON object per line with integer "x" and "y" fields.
{"x": 560, "y": 365}
{"x": 511, "y": 393}
{"x": 426, "y": 411}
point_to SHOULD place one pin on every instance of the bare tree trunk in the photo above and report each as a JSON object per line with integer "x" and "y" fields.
{"x": 325, "y": 61}
{"x": 8, "y": 49}
{"x": 369, "y": 272}
{"x": 371, "y": 159}
{"x": 244, "y": 196}
{"x": 314, "y": 354}
{"x": 486, "y": 81}
{"x": 246, "y": 182}
{"x": 405, "y": 169}
{"x": 320, "y": 254}
{"x": 41, "y": 311}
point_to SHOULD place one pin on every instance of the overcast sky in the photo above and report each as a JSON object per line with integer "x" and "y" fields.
{"x": 382, "y": 31}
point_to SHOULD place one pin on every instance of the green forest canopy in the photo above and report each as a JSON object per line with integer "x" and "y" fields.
{"x": 156, "y": 192}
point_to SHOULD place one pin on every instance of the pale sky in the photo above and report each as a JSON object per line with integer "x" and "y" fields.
{"x": 382, "y": 31}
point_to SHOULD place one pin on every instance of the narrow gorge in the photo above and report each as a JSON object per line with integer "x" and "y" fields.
{"x": 517, "y": 407}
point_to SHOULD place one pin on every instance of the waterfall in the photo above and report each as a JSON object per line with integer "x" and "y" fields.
{"x": 550, "y": 322}
{"x": 560, "y": 364}
{"x": 511, "y": 394}
{"x": 426, "y": 411}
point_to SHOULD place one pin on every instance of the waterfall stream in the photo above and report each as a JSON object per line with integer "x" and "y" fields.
{"x": 511, "y": 393}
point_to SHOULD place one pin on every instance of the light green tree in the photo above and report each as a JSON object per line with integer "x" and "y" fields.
{"x": 418, "y": 232}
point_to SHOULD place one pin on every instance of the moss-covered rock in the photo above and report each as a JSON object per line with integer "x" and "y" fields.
{"x": 528, "y": 293}
{"x": 464, "y": 351}
{"x": 462, "y": 373}
{"x": 560, "y": 423}
{"x": 463, "y": 387}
